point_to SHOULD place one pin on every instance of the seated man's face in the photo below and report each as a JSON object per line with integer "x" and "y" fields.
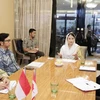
{"x": 33, "y": 34}
{"x": 7, "y": 42}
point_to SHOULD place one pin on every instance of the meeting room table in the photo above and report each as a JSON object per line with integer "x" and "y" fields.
{"x": 49, "y": 73}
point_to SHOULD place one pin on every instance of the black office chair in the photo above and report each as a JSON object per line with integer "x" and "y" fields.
{"x": 19, "y": 53}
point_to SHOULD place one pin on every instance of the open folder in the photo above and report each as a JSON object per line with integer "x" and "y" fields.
{"x": 84, "y": 84}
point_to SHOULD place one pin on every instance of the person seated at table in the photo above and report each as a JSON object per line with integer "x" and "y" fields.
{"x": 98, "y": 81}
{"x": 7, "y": 60}
{"x": 30, "y": 46}
{"x": 4, "y": 81}
{"x": 70, "y": 50}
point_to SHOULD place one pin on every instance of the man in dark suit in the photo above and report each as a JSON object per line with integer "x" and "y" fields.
{"x": 89, "y": 34}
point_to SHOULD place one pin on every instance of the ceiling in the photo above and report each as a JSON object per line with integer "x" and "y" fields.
{"x": 66, "y": 5}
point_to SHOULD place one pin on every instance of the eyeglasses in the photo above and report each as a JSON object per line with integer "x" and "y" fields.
{"x": 7, "y": 40}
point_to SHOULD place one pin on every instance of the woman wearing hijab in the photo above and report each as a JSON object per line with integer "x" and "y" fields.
{"x": 70, "y": 50}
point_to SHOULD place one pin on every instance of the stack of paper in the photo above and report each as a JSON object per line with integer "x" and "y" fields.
{"x": 84, "y": 84}
{"x": 69, "y": 60}
{"x": 34, "y": 65}
{"x": 87, "y": 68}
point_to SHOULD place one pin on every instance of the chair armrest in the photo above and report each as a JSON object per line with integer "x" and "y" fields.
{"x": 19, "y": 54}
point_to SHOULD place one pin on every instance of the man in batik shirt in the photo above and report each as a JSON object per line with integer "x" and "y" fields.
{"x": 7, "y": 60}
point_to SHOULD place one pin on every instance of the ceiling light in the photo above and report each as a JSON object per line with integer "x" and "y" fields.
{"x": 71, "y": 4}
{"x": 83, "y": 0}
{"x": 91, "y": 5}
{"x": 88, "y": 0}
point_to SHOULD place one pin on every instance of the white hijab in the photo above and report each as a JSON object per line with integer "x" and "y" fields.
{"x": 67, "y": 52}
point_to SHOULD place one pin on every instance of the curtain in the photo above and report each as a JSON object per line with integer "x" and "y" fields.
{"x": 34, "y": 14}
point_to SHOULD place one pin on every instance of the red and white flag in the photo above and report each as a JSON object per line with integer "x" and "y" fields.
{"x": 34, "y": 86}
{"x": 23, "y": 87}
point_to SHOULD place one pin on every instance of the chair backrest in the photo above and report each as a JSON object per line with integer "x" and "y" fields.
{"x": 83, "y": 50}
{"x": 18, "y": 45}
{"x": 18, "y": 48}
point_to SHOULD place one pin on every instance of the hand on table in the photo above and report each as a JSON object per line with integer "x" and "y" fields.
{"x": 75, "y": 56}
{"x": 33, "y": 50}
{"x": 4, "y": 84}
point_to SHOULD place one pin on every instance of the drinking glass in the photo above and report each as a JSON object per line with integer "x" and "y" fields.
{"x": 11, "y": 94}
{"x": 83, "y": 61}
{"x": 54, "y": 89}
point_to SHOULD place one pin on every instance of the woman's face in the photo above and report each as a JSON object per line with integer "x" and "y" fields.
{"x": 70, "y": 40}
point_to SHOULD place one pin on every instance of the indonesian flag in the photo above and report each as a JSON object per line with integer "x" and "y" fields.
{"x": 23, "y": 87}
{"x": 34, "y": 86}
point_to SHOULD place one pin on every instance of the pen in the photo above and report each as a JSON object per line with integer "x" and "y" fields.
{"x": 88, "y": 84}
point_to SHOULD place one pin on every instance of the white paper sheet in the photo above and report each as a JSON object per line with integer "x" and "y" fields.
{"x": 35, "y": 64}
{"x": 11, "y": 85}
{"x": 87, "y": 68}
{"x": 50, "y": 58}
{"x": 69, "y": 60}
{"x": 84, "y": 84}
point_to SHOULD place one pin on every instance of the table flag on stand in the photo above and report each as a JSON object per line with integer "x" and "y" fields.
{"x": 34, "y": 86}
{"x": 23, "y": 86}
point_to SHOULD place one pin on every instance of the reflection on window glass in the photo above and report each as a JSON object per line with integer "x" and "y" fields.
{"x": 65, "y": 21}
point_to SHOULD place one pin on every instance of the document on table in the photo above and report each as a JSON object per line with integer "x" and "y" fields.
{"x": 34, "y": 65}
{"x": 69, "y": 60}
{"x": 11, "y": 85}
{"x": 50, "y": 58}
{"x": 87, "y": 68}
{"x": 84, "y": 84}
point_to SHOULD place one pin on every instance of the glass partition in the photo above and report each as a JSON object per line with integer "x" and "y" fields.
{"x": 65, "y": 21}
